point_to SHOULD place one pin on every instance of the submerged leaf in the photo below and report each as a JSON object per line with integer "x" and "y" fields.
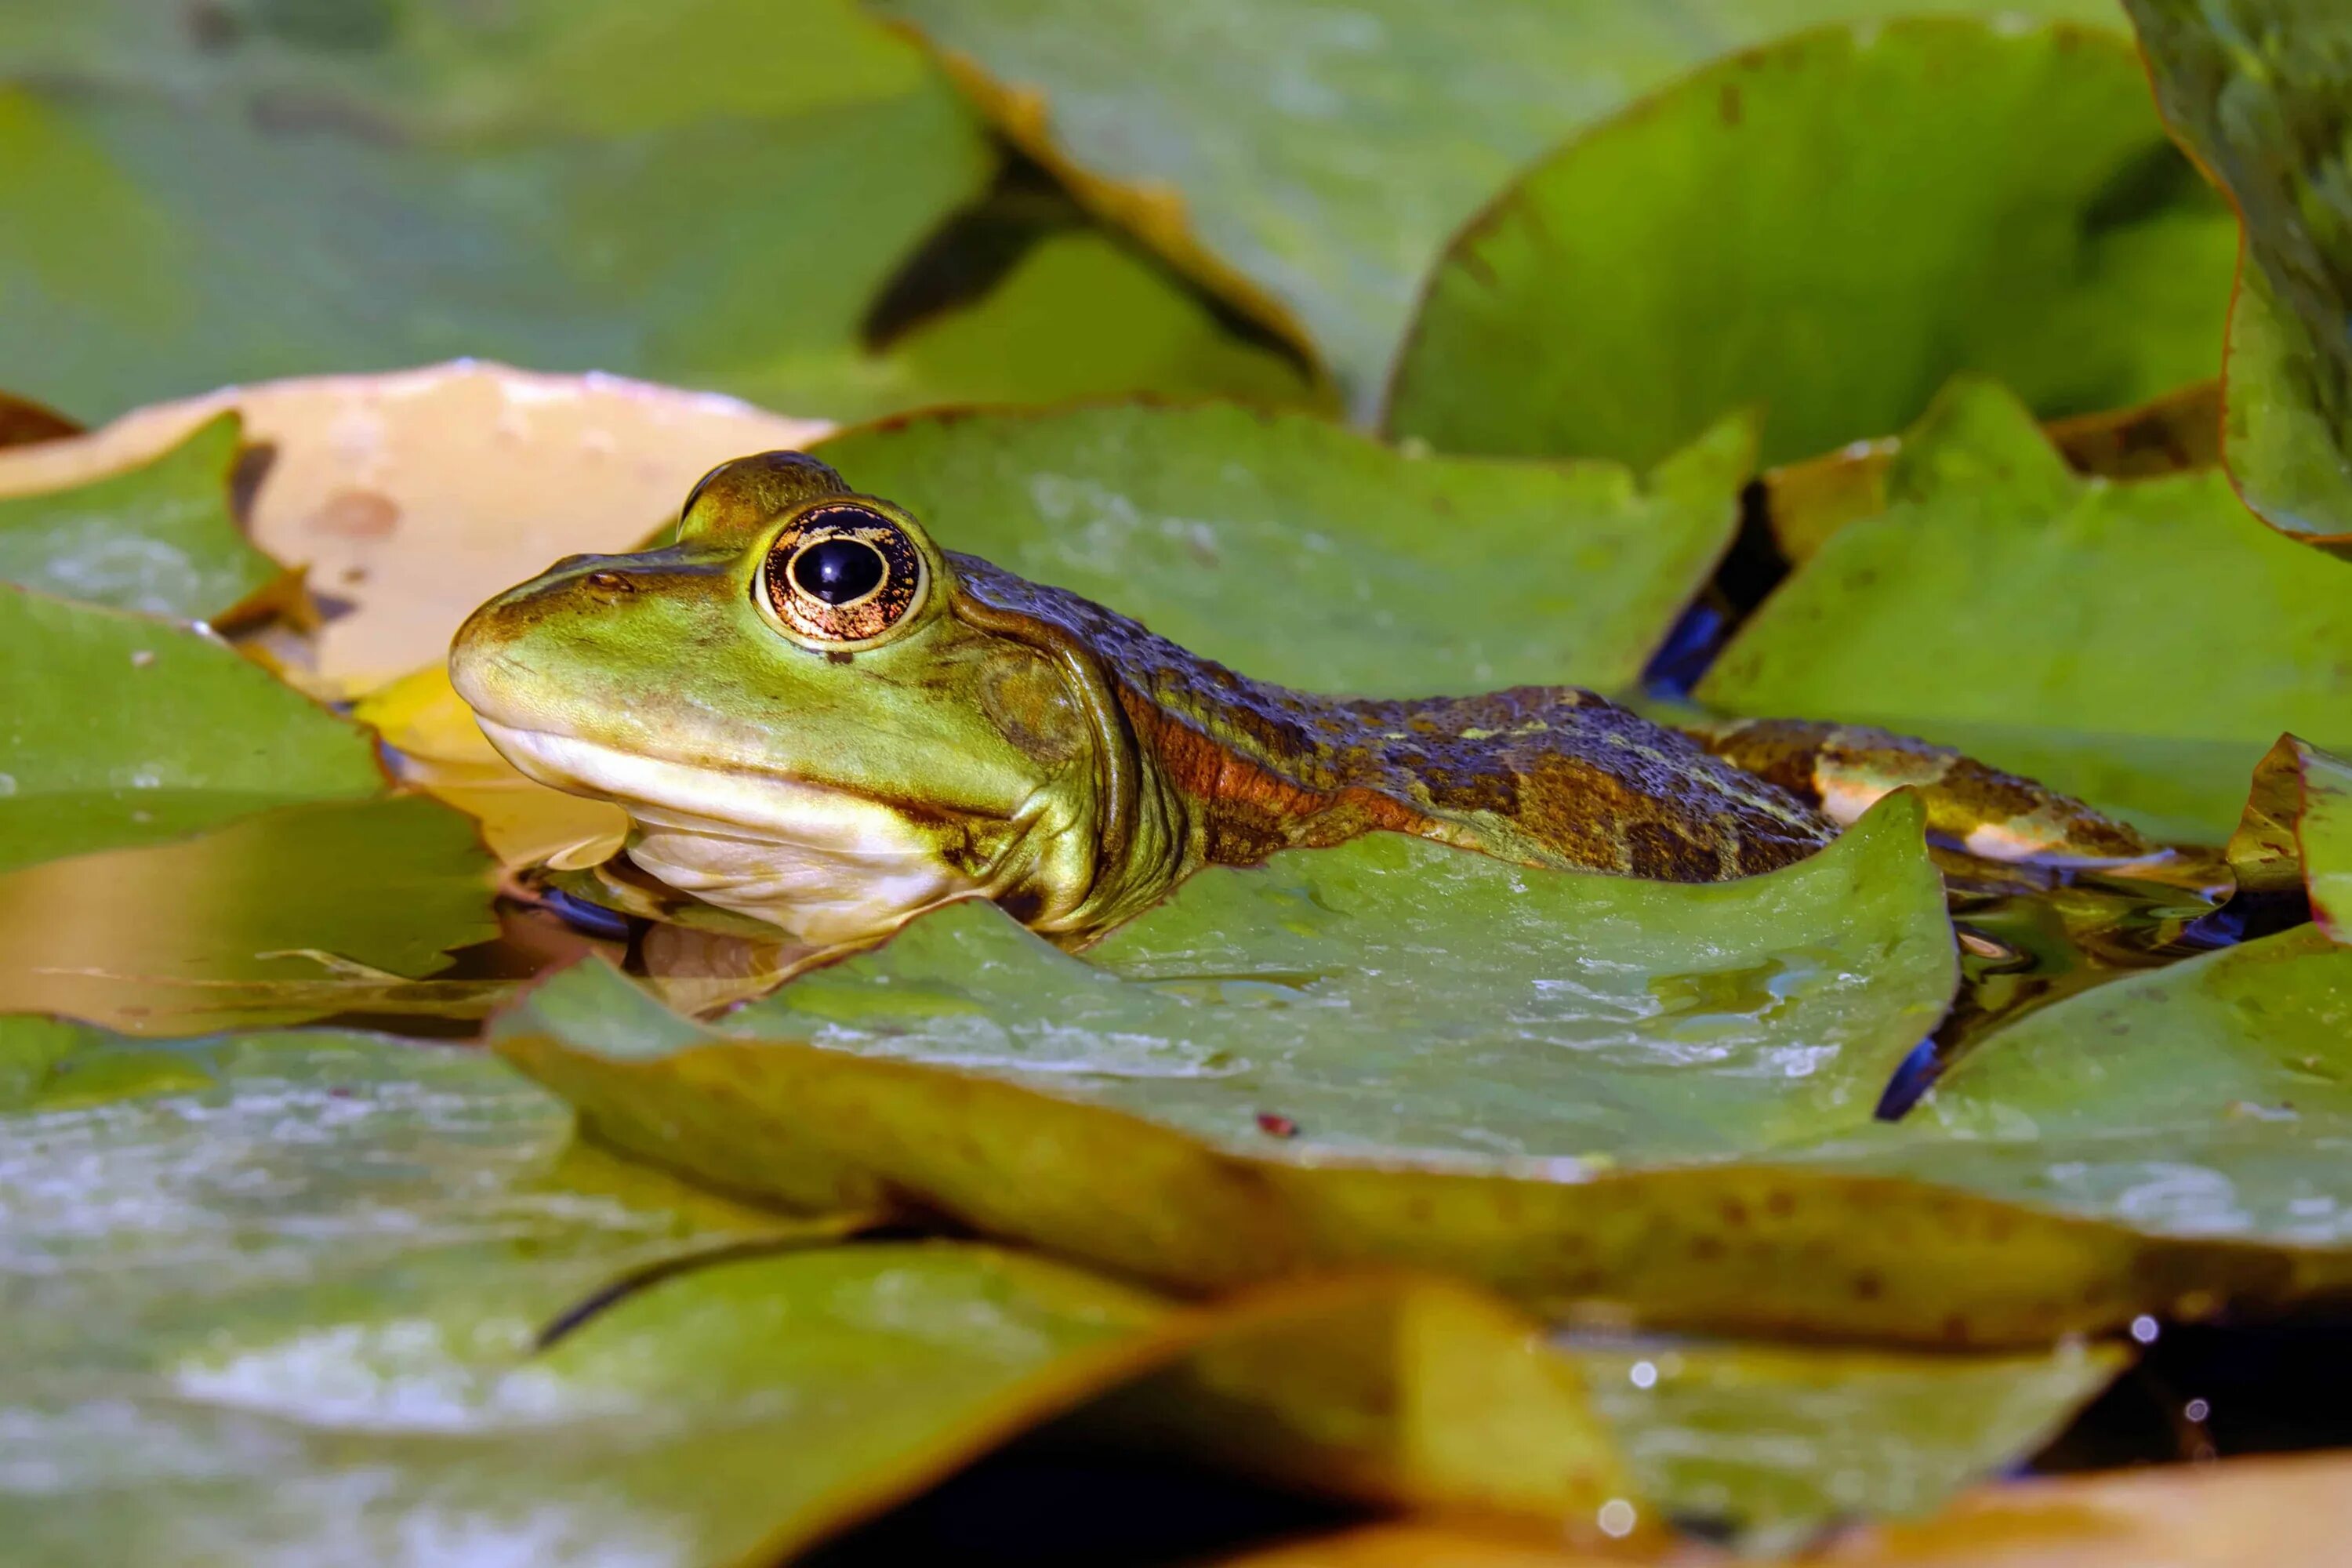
{"x": 2065, "y": 628}
{"x": 116, "y": 730}
{"x": 1829, "y": 227}
{"x": 1303, "y": 554}
{"x": 2256, "y": 89}
{"x": 2297, "y": 833}
{"x": 302, "y": 912}
{"x": 1308, "y": 164}
{"x": 159, "y": 538}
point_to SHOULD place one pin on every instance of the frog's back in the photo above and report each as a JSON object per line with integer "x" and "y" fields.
{"x": 1546, "y": 775}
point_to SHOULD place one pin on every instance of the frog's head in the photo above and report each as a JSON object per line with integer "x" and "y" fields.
{"x": 805, "y": 714}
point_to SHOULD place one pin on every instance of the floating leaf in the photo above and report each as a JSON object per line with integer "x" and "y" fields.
{"x": 298, "y": 913}
{"x": 158, "y": 538}
{"x": 1308, "y": 166}
{"x": 2062, "y": 627}
{"x": 2255, "y": 90}
{"x": 1808, "y": 500}
{"x": 412, "y": 497}
{"x": 1304, "y": 555}
{"x": 2296, "y": 834}
{"x": 441, "y": 751}
{"x": 1877, "y": 209}
{"x": 1392, "y": 996}
{"x": 116, "y": 730}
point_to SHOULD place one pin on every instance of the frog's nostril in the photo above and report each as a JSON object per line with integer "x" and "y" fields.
{"x": 611, "y": 583}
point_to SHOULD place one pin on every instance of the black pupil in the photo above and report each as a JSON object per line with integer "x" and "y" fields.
{"x": 839, "y": 570}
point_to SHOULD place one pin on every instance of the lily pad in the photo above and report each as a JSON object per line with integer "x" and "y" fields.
{"x": 1392, "y": 995}
{"x": 2297, "y": 833}
{"x": 1308, "y": 166}
{"x": 1305, "y": 554}
{"x": 119, "y": 729}
{"x": 159, "y": 538}
{"x": 1808, "y": 500}
{"x": 280, "y": 204}
{"x": 1875, "y": 208}
{"x": 2256, "y": 89}
{"x": 412, "y": 497}
{"x": 2059, "y": 627}
{"x": 298, "y": 913}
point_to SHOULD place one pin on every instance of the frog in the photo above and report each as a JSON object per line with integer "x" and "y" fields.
{"x": 817, "y": 717}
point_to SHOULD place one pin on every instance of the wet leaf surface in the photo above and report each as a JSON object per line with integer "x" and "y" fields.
{"x": 1999, "y": 199}
{"x": 118, "y": 729}
{"x": 2046, "y": 623}
{"x": 2255, "y": 90}
{"x": 1304, "y": 555}
{"x": 302, "y": 912}
{"x": 563, "y": 186}
{"x": 1310, "y": 164}
{"x": 1395, "y": 997}
{"x": 159, "y": 538}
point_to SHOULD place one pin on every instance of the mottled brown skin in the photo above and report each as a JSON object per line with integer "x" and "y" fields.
{"x": 1547, "y": 775}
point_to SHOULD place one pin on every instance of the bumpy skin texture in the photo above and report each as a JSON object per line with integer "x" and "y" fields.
{"x": 1000, "y": 738}
{"x": 1551, "y": 775}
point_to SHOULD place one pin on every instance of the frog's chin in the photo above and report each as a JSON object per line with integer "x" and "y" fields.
{"x": 828, "y": 866}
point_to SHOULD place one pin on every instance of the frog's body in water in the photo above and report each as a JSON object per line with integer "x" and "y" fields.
{"x": 815, "y": 715}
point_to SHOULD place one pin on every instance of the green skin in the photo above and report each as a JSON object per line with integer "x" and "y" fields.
{"x": 964, "y": 734}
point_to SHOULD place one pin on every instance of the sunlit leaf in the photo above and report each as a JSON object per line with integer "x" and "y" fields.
{"x": 2296, "y": 834}
{"x": 118, "y": 729}
{"x": 1307, "y": 555}
{"x": 159, "y": 537}
{"x": 1807, "y": 501}
{"x": 1310, "y": 164}
{"x": 2138, "y": 643}
{"x": 441, "y": 751}
{"x": 301, "y": 913}
{"x": 414, "y": 496}
{"x": 2256, "y": 89}
{"x": 1828, "y": 229}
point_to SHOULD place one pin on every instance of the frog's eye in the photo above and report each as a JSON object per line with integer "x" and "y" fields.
{"x": 839, "y": 577}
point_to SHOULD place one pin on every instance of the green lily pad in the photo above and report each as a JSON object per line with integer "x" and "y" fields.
{"x": 2062, "y": 628}
{"x": 1829, "y": 227}
{"x": 2297, "y": 832}
{"x": 1394, "y": 995}
{"x": 562, "y": 187}
{"x": 2256, "y": 89}
{"x": 302, "y": 912}
{"x": 1309, "y": 165}
{"x": 2205, "y": 1100}
{"x": 1305, "y": 554}
{"x": 159, "y": 538}
{"x": 119, "y": 729}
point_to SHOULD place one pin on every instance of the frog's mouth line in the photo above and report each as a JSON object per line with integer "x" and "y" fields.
{"x": 719, "y": 803}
